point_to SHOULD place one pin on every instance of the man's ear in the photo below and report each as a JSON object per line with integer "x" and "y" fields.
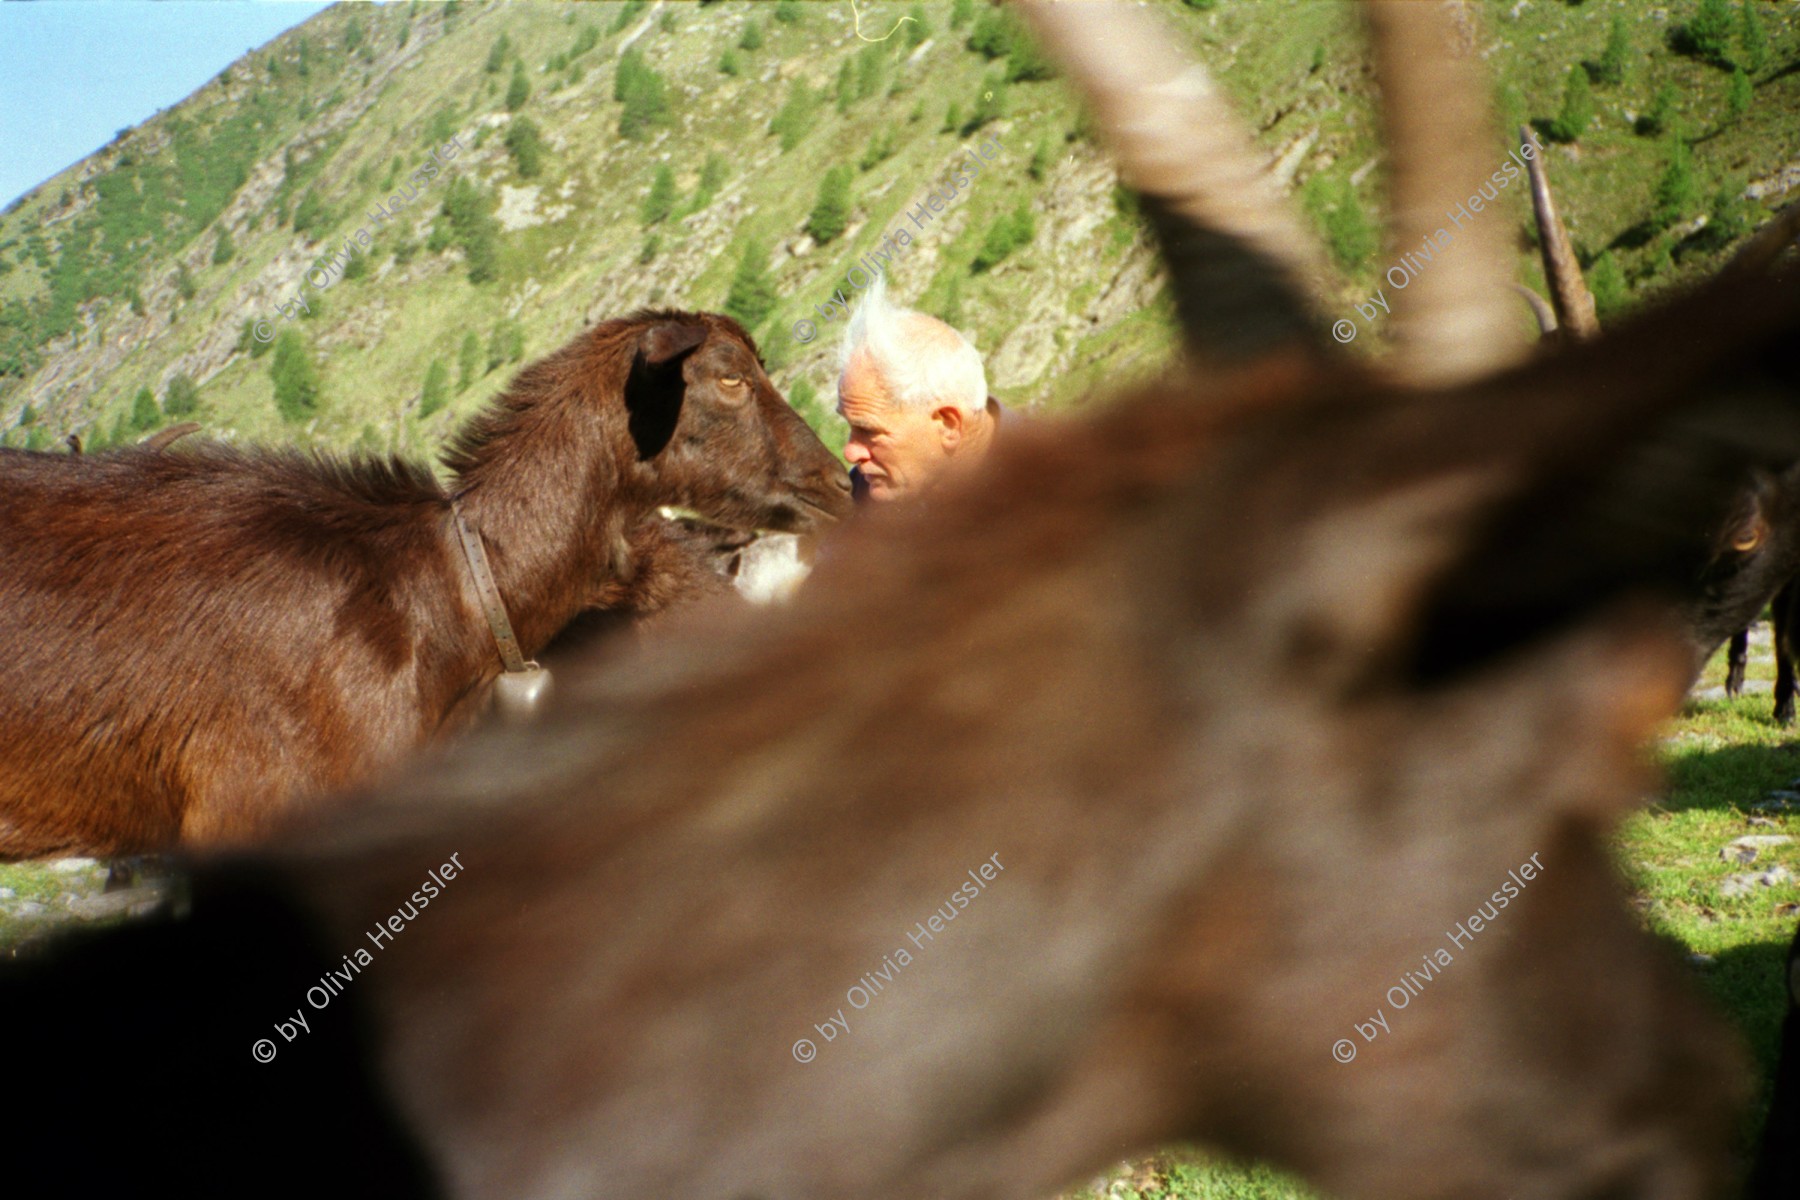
{"x": 654, "y": 390}
{"x": 952, "y": 425}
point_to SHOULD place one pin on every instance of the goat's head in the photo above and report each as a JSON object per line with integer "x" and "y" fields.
{"x": 1756, "y": 551}
{"x": 1757, "y": 548}
{"x": 659, "y": 408}
{"x": 711, "y": 431}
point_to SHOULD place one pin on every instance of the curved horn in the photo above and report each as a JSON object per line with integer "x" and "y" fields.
{"x": 1767, "y": 243}
{"x": 162, "y": 439}
{"x": 1244, "y": 268}
{"x": 1451, "y": 322}
{"x": 1568, "y": 290}
{"x": 1540, "y": 308}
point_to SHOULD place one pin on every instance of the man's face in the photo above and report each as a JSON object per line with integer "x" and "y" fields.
{"x": 898, "y": 449}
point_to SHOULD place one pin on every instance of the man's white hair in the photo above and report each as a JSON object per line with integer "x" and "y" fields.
{"x": 922, "y": 362}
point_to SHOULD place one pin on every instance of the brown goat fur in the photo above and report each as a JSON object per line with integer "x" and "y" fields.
{"x": 202, "y": 637}
{"x": 1235, "y": 791}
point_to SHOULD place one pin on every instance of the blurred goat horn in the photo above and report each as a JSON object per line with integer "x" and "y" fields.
{"x": 1540, "y": 309}
{"x": 1767, "y": 244}
{"x": 1568, "y": 290}
{"x": 1244, "y": 268}
{"x": 1452, "y": 322}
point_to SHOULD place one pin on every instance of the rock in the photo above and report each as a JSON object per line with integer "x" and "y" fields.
{"x": 1701, "y": 960}
{"x": 518, "y": 207}
{"x": 71, "y": 865}
{"x": 1287, "y": 162}
{"x": 7, "y": 893}
{"x": 113, "y": 904}
{"x": 1743, "y": 885}
{"x": 1744, "y": 849}
{"x": 1781, "y": 181}
{"x": 28, "y": 908}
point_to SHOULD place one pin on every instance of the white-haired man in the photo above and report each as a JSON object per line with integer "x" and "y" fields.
{"x": 915, "y": 395}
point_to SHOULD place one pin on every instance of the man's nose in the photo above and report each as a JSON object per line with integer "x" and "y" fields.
{"x": 855, "y": 453}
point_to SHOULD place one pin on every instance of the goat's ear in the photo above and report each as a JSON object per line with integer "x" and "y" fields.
{"x": 669, "y": 341}
{"x": 655, "y": 388}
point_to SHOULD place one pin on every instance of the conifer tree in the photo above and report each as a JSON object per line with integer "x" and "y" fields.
{"x": 1737, "y": 96}
{"x": 752, "y": 295}
{"x": 1577, "y": 109}
{"x": 436, "y": 391}
{"x": 661, "y": 200}
{"x": 831, "y": 213}
{"x": 1677, "y": 190}
{"x": 296, "y": 379}
{"x": 144, "y": 413}
{"x": 1611, "y": 69}
{"x": 180, "y": 397}
{"x": 1753, "y": 39}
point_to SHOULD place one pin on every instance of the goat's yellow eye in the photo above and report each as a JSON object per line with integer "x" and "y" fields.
{"x": 732, "y": 380}
{"x": 1749, "y": 535}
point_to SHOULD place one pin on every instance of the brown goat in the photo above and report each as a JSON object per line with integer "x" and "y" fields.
{"x": 200, "y": 639}
{"x": 1229, "y": 713}
{"x": 1757, "y": 547}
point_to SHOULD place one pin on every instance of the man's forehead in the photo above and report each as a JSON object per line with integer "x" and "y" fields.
{"x": 860, "y": 390}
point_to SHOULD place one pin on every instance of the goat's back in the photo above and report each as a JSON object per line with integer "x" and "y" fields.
{"x": 136, "y": 587}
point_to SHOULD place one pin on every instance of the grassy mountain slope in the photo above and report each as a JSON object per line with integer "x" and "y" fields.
{"x": 113, "y": 280}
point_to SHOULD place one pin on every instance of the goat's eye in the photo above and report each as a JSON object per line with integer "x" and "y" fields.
{"x": 734, "y": 391}
{"x": 1748, "y": 539}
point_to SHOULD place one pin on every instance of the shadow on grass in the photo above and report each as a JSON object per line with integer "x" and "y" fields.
{"x": 1757, "y": 757}
{"x": 1746, "y": 984}
{"x": 1730, "y": 777}
{"x": 1635, "y": 236}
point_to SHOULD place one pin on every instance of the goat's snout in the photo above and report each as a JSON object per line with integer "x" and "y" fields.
{"x": 828, "y": 491}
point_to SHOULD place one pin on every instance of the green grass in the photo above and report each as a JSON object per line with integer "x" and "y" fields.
{"x": 1182, "y": 1175}
{"x": 34, "y": 883}
{"x": 1721, "y": 758}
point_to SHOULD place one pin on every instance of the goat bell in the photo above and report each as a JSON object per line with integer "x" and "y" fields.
{"x": 521, "y": 694}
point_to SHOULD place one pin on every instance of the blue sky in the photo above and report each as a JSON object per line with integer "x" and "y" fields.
{"x": 73, "y": 74}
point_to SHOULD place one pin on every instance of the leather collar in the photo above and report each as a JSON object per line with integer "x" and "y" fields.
{"x": 491, "y": 604}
